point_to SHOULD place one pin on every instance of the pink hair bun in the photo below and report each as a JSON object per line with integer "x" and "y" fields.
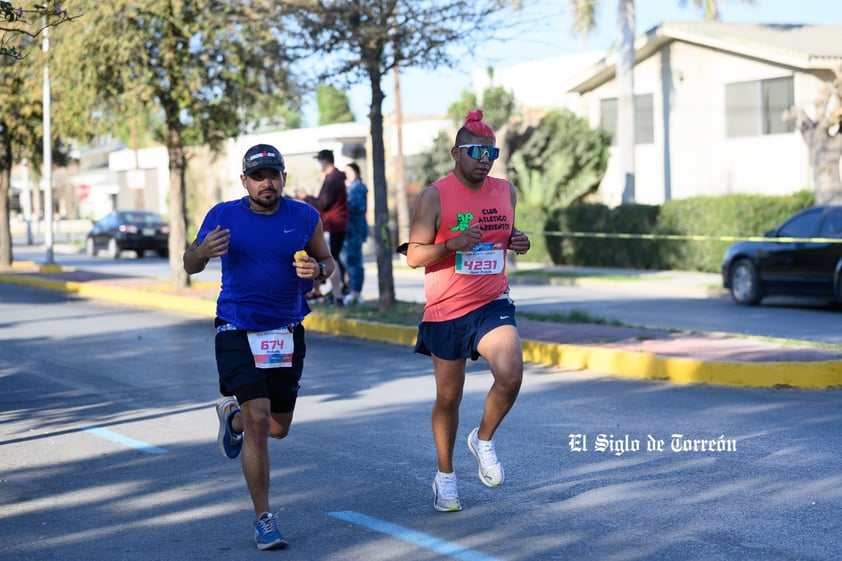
{"x": 474, "y": 116}
{"x": 475, "y": 125}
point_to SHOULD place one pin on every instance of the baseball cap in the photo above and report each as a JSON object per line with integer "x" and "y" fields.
{"x": 262, "y": 156}
{"x": 325, "y": 155}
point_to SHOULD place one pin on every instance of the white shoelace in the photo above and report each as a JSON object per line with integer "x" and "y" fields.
{"x": 485, "y": 450}
{"x": 447, "y": 486}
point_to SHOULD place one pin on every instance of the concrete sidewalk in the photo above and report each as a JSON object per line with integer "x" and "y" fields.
{"x": 677, "y": 357}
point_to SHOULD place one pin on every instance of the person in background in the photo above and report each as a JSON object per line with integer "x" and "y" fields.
{"x": 332, "y": 203}
{"x": 462, "y": 227}
{"x": 357, "y": 233}
{"x": 271, "y": 247}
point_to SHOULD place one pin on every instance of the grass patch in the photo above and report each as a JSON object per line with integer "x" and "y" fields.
{"x": 403, "y": 313}
{"x": 573, "y": 316}
{"x": 551, "y": 274}
{"x": 410, "y": 313}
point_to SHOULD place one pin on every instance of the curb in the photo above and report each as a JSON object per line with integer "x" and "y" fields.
{"x": 624, "y": 364}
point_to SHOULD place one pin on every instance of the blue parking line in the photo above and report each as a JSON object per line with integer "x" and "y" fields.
{"x": 124, "y": 440}
{"x": 420, "y": 539}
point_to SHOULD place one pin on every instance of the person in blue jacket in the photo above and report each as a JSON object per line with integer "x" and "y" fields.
{"x": 357, "y": 233}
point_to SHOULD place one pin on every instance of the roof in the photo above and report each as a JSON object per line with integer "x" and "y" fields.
{"x": 806, "y": 47}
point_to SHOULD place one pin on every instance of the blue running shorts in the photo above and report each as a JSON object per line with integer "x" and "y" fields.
{"x": 458, "y": 338}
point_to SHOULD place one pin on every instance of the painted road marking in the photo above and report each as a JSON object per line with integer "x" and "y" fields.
{"x": 124, "y": 440}
{"x": 420, "y": 539}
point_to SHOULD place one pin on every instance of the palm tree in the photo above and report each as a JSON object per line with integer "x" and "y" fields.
{"x": 584, "y": 21}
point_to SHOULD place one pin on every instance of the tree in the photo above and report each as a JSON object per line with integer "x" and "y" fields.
{"x": 562, "y": 161}
{"x": 209, "y": 67}
{"x": 823, "y": 137}
{"x": 29, "y": 22}
{"x": 365, "y": 40}
{"x": 21, "y": 119}
{"x": 333, "y": 105}
{"x": 584, "y": 20}
{"x": 20, "y": 129}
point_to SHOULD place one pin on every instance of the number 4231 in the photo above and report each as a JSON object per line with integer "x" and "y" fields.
{"x": 480, "y": 265}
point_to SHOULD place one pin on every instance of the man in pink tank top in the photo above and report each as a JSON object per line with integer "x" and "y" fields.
{"x": 462, "y": 226}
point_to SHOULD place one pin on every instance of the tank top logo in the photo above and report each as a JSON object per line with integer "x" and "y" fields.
{"x": 462, "y": 221}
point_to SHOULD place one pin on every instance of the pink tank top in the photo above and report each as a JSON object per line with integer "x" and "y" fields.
{"x": 463, "y": 282}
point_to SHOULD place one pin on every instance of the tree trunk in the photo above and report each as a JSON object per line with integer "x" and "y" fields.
{"x": 383, "y": 238}
{"x": 178, "y": 213}
{"x": 5, "y": 215}
{"x": 625, "y": 97}
{"x": 825, "y": 159}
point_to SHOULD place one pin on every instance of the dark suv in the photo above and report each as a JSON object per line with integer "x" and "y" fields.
{"x": 129, "y": 230}
{"x": 754, "y": 269}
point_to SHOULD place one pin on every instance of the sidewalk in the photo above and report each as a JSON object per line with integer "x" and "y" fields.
{"x": 677, "y": 357}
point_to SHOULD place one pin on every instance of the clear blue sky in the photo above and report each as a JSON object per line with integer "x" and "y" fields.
{"x": 426, "y": 92}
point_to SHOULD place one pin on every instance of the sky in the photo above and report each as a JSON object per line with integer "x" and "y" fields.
{"x": 425, "y": 92}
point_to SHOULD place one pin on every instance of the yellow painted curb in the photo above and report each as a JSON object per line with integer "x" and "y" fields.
{"x": 648, "y": 366}
{"x": 614, "y": 362}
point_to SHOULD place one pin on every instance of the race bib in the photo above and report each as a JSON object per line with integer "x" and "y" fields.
{"x": 271, "y": 349}
{"x": 483, "y": 259}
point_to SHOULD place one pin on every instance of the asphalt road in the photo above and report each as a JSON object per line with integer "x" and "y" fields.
{"x": 107, "y": 434}
{"x": 658, "y": 306}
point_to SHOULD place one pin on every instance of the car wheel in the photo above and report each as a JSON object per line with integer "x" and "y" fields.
{"x": 140, "y": 253}
{"x": 163, "y": 253}
{"x": 113, "y": 250}
{"x": 744, "y": 284}
{"x": 90, "y": 247}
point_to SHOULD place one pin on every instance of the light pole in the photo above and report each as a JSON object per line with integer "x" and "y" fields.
{"x": 48, "y": 151}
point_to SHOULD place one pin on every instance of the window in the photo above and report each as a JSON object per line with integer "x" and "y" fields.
{"x": 644, "y": 126}
{"x": 756, "y": 108}
{"x": 832, "y": 226}
{"x": 802, "y": 225}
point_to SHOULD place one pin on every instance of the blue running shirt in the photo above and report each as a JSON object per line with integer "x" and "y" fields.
{"x": 260, "y": 290}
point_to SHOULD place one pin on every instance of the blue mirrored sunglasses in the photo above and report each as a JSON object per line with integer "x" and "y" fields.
{"x": 480, "y": 151}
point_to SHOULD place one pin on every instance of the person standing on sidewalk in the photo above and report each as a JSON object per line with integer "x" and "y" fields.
{"x": 332, "y": 203}
{"x": 462, "y": 226}
{"x": 261, "y": 240}
{"x": 357, "y": 233}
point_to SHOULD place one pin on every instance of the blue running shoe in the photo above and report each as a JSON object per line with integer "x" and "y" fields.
{"x": 266, "y": 533}
{"x": 229, "y": 443}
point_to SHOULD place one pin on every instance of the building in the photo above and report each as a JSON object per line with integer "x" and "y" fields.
{"x": 709, "y": 104}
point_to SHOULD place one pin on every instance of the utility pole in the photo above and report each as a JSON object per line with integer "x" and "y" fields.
{"x": 48, "y": 151}
{"x": 400, "y": 168}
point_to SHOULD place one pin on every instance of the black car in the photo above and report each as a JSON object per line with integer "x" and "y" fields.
{"x": 755, "y": 269}
{"x": 129, "y": 230}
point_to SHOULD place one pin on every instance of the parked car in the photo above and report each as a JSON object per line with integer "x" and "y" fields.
{"x": 752, "y": 270}
{"x": 129, "y": 230}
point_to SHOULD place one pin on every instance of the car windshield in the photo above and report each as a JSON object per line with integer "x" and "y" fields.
{"x": 140, "y": 218}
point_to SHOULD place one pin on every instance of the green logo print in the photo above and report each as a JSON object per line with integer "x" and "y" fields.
{"x": 462, "y": 221}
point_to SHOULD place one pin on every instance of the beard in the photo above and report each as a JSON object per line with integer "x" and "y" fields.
{"x": 266, "y": 199}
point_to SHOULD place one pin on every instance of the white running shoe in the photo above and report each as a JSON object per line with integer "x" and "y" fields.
{"x": 490, "y": 470}
{"x": 447, "y": 495}
{"x": 229, "y": 443}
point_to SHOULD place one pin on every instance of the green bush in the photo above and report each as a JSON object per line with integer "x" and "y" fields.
{"x": 730, "y": 215}
{"x": 738, "y": 216}
{"x": 609, "y": 251}
{"x": 531, "y": 219}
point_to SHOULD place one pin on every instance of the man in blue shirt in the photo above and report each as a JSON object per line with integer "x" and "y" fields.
{"x": 271, "y": 248}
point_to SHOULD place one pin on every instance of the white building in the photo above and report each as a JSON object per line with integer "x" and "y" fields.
{"x": 709, "y": 99}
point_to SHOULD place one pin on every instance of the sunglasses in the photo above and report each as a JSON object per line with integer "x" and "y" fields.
{"x": 480, "y": 151}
